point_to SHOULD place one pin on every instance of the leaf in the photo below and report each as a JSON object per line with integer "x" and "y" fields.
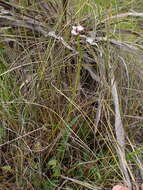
{"x": 56, "y": 172}
{"x": 52, "y": 162}
{"x": 56, "y": 169}
{"x": 6, "y": 168}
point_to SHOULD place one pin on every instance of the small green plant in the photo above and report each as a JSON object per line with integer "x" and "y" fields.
{"x": 55, "y": 167}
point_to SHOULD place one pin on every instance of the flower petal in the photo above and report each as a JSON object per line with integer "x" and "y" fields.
{"x": 73, "y": 32}
{"x": 80, "y": 28}
{"x": 120, "y": 187}
{"x": 142, "y": 186}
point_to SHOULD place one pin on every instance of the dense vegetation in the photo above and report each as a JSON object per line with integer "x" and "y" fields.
{"x": 71, "y": 106}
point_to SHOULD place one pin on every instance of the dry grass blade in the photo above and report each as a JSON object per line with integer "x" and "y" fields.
{"x": 92, "y": 74}
{"x": 84, "y": 184}
{"x": 123, "y": 15}
{"x": 61, "y": 91}
{"x": 121, "y": 45}
{"x": 120, "y": 134}
{"x": 25, "y": 22}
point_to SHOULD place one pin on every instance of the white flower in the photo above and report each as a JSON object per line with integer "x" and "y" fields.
{"x": 76, "y": 30}
{"x": 80, "y": 28}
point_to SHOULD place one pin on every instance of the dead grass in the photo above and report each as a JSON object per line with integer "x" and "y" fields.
{"x": 61, "y": 95}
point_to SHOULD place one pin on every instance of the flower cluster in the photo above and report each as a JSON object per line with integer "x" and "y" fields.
{"x": 76, "y": 30}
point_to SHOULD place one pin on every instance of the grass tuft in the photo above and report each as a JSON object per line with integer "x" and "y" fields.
{"x": 64, "y": 98}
